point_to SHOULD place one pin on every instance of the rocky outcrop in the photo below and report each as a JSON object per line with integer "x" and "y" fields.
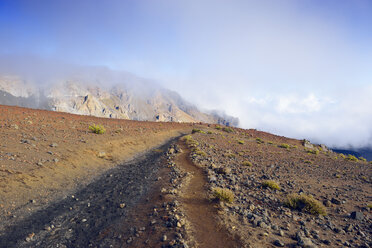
{"x": 110, "y": 95}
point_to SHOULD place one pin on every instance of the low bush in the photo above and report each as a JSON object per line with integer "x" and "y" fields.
{"x": 218, "y": 127}
{"x": 98, "y": 129}
{"x": 190, "y": 141}
{"x": 352, "y": 158}
{"x": 224, "y": 195}
{"x": 271, "y": 184}
{"x": 306, "y": 203}
{"x": 247, "y": 163}
{"x": 241, "y": 142}
{"x": 197, "y": 131}
{"x": 363, "y": 159}
{"x": 227, "y": 129}
{"x": 259, "y": 140}
{"x": 284, "y": 145}
{"x": 315, "y": 151}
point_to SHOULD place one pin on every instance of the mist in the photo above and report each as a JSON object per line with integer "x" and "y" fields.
{"x": 294, "y": 68}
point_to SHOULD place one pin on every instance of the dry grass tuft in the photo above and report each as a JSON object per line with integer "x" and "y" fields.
{"x": 247, "y": 163}
{"x": 98, "y": 129}
{"x": 305, "y": 203}
{"x": 271, "y": 184}
{"x": 224, "y": 195}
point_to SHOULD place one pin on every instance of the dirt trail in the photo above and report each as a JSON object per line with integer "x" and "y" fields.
{"x": 199, "y": 210}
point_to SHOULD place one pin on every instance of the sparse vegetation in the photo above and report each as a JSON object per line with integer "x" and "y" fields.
{"x": 190, "y": 141}
{"x": 200, "y": 153}
{"x": 224, "y": 195}
{"x": 228, "y": 129}
{"x": 241, "y": 142}
{"x": 315, "y": 151}
{"x": 259, "y": 140}
{"x": 284, "y": 145}
{"x": 270, "y": 142}
{"x": 209, "y": 132}
{"x": 194, "y": 130}
{"x": 271, "y": 184}
{"x": 352, "y": 158}
{"x": 363, "y": 159}
{"x": 218, "y": 127}
{"x": 98, "y": 129}
{"x": 229, "y": 155}
{"x": 308, "y": 162}
{"x": 306, "y": 203}
{"x": 247, "y": 163}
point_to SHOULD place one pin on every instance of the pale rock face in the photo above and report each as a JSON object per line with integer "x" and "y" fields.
{"x": 16, "y": 86}
{"x": 130, "y": 98}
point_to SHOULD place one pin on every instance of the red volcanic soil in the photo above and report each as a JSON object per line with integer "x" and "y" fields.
{"x": 243, "y": 160}
{"x": 140, "y": 185}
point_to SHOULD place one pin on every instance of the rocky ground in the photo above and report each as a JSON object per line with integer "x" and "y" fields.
{"x": 243, "y": 160}
{"x": 141, "y": 185}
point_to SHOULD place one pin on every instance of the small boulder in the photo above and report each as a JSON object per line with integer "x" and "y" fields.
{"x": 356, "y": 215}
{"x": 278, "y": 243}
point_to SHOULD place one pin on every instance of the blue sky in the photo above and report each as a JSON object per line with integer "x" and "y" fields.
{"x": 295, "y": 68}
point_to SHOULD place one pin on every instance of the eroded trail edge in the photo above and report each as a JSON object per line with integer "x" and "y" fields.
{"x": 201, "y": 213}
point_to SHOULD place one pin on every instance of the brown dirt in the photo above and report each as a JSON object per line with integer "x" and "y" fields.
{"x": 199, "y": 209}
{"x": 325, "y": 176}
{"x": 37, "y": 180}
{"x": 27, "y": 168}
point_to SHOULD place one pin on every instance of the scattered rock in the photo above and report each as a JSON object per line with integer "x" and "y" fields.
{"x": 278, "y": 243}
{"x": 307, "y": 144}
{"x": 356, "y": 215}
{"x": 336, "y": 201}
{"x": 53, "y": 145}
{"x": 102, "y": 154}
{"x": 122, "y": 205}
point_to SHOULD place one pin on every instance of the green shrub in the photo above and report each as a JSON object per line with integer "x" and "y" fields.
{"x": 218, "y": 127}
{"x": 259, "y": 140}
{"x": 315, "y": 151}
{"x": 308, "y": 162}
{"x": 197, "y": 131}
{"x": 363, "y": 159}
{"x": 306, "y": 203}
{"x": 247, "y": 163}
{"x": 241, "y": 142}
{"x": 270, "y": 142}
{"x": 224, "y": 195}
{"x": 209, "y": 132}
{"x": 352, "y": 158}
{"x": 270, "y": 184}
{"x": 98, "y": 129}
{"x": 190, "y": 141}
{"x": 284, "y": 145}
{"x": 200, "y": 153}
{"x": 227, "y": 129}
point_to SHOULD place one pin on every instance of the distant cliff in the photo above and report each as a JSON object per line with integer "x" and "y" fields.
{"x": 105, "y": 93}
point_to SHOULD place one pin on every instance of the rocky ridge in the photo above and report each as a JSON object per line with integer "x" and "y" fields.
{"x": 111, "y": 95}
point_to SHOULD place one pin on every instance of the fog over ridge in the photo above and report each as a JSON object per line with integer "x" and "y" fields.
{"x": 294, "y": 68}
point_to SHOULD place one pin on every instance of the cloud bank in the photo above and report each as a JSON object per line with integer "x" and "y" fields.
{"x": 294, "y": 68}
